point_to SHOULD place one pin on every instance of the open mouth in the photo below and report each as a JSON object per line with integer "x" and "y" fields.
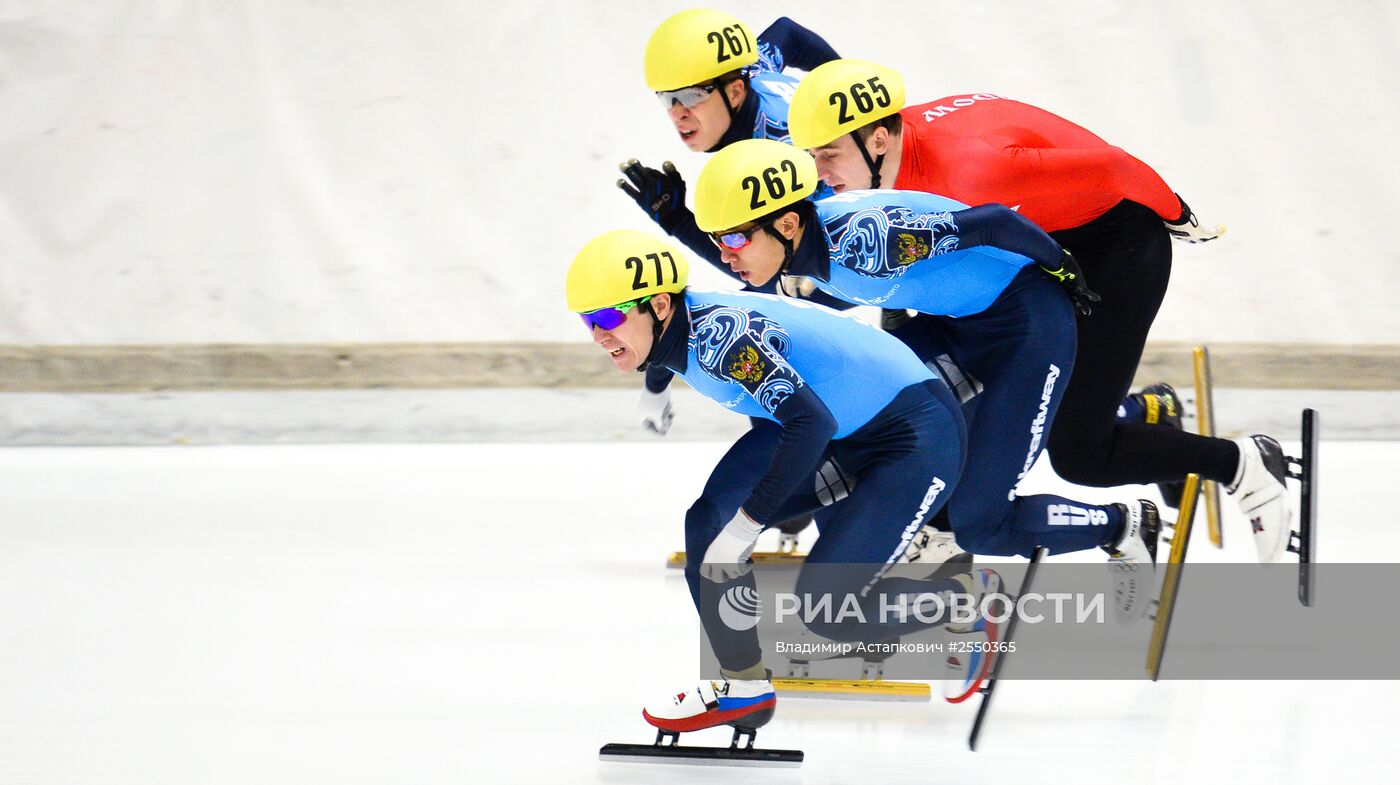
{"x": 617, "y": 352}
{"x": 686, "y": 136}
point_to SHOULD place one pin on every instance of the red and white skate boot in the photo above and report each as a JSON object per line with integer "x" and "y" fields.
{"x": 970, "y": 648}
{"x": 746, "y": 703}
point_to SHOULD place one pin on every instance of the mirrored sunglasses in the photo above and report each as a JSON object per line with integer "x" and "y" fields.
{"x": 735, "y": 241}
{"x": 610, "y": 318}
{"x": 689, "y": 97}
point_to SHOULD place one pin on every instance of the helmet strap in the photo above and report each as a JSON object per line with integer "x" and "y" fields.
{"x": 656, "y": 329}
{"x": 724, "y": 96}
{"x": 873, "y": 163}
{"x": 787, "y": 247}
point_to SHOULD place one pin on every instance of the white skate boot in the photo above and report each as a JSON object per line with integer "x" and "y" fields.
{"x": 970, "y": 648}
{"x": 1132, "y": 561}
{"x": 937, "y": 551}
{"x": 1263, "y": 496}
{"x": 747, "y": 704}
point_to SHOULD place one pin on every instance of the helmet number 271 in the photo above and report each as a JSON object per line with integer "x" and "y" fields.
{"x": 635, "y": 264}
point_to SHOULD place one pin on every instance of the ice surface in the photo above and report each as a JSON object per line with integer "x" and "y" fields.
{"x": 495, "y": 613}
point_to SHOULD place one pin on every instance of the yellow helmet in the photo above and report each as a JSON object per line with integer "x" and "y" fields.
{"x": 695, "y": 46}
{"x": 621, "y": 266}
{"x": 840, "y": 96}
{"x": 750, "y": 179}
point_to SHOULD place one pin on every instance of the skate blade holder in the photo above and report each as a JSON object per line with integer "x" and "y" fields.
{"x": 1199, "y": 408}
{"x": 666, "y": 749}
{"x": 988, "y": 688}
{"x": 871, "y": 686}
{"x": 854, "y": 689}
{"x": 1161, "y": 607}
{"x": 676, "y": 560}
{"x": 1304, "y": 541}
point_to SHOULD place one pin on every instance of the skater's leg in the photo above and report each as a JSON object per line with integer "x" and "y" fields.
{"x": 1126, "y": 257}
{"x": 730, "y": 483}
{"x": 1023, "y": 351}
{"x": 897, "y": 492}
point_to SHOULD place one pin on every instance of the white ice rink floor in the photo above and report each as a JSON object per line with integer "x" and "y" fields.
{"x": 494, "y": 613}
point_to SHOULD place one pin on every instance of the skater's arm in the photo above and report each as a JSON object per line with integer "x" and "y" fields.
{"x": 1041, "y": 170}
{"x": 808, "y": 427}
{"x": 998, "y": 226}
{"x": 797, "y": 46}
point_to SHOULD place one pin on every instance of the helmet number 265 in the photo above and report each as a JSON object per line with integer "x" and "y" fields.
{"x": 864, "y": 99}
{"x": 772, "y": 183}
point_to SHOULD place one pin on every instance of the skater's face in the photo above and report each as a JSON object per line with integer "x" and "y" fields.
{"x": 840, "y": 164}
{"x": 629, "y": 343}
{"x": 761, "y": 257}
{"x": 701, "y": 125}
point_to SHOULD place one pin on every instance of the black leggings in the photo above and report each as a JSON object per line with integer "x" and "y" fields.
{"x": 1126, "y": 256}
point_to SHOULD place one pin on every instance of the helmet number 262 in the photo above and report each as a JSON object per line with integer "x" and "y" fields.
{"x": 864, "y": 99}
{"x": 772, "y": 183}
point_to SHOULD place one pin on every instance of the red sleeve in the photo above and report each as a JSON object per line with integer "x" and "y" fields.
{"x": 1057, "y": 170}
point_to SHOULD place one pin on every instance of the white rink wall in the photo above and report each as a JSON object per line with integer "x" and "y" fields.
{"x": 353, "y": 170}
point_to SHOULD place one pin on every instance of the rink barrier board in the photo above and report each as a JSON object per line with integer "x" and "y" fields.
{"x": 337, "y": 366}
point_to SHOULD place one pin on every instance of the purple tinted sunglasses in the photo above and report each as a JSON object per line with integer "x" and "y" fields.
{"x": 610, "y": 318}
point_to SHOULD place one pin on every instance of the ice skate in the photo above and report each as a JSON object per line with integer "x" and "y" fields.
{"x": 1162, "y": 406}
{"x": 1132, "y": 560}
{"x": 1263, "y": 496}
{"x": 747, "y": 705}
{"x": 936, "y": 550}
{"x": 712, "y": 702}
{"x": 968, "y": 657}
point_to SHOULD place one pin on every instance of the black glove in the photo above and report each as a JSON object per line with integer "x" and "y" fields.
{"x": 1072, "y": 278}
{"x": 661, "y": 194}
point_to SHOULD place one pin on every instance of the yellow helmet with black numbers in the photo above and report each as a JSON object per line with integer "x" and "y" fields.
{"x": 751, "y": 179}
{"x": 840, "y": 96}
{"x": 696, "y": 46}
{"x": 623, "y": 266}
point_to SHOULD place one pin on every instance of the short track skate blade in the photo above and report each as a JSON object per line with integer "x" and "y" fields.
{"x": 987, "y": 690}
{"x": 1205, "y": 426}
{"x": 1166, "y": 601}
{"x": 676, "y": 561}
{"x": 1307, "y": 530}
{"x": 700, "y": 756}
{"x": 854, "y": 690}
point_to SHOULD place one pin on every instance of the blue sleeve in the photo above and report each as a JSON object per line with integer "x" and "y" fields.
{"x": 658, "y": 377}
{"x": 998, "y": 226}
{"x": 683, "y": 228}
{"x": 797, "y": 46}
{"x": 807, "y": 428}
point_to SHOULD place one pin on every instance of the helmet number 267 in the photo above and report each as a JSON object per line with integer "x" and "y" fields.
{"x": 728, "y": 44}
{"x": 864, "y": 99}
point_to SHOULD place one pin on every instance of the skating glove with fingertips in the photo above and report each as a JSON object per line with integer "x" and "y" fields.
{"x": 659, "y": 192}
{"x": 1072, "y": 278}
{"x": 1188, "y": 227}
{"x": 655, "y": 410}
{"x": 728, "y": 555}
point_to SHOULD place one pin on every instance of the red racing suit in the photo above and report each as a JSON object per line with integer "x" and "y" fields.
{"x": 982, "y": 149}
